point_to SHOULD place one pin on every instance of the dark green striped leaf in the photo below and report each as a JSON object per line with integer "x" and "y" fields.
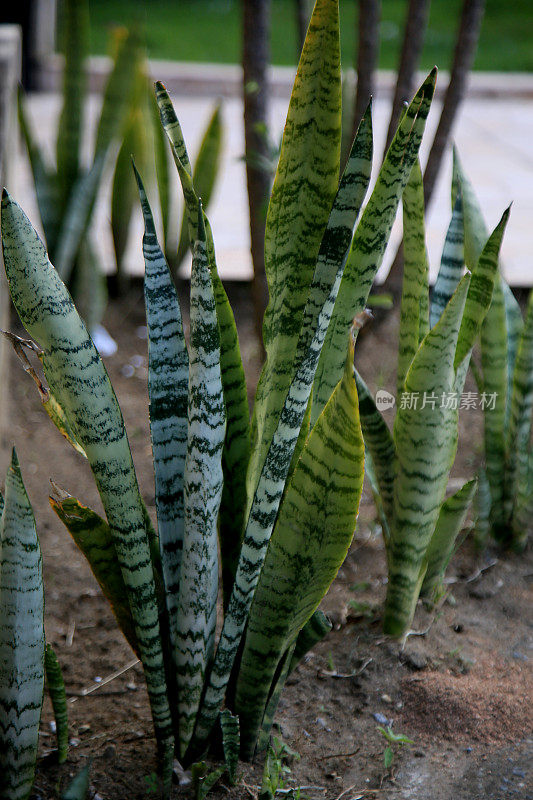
{"x": 56, "y": 690}
{"x": 168, "y": 388}
{"x": 414, "y": 323}
{"x": 21, "y": 639}
{"x": 203, "y": 477}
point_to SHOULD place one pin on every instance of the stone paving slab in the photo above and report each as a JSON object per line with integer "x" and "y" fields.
{"x": 494, "y": 136}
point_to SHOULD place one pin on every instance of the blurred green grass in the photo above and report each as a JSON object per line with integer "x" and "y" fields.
{"x": 209, "y": 30}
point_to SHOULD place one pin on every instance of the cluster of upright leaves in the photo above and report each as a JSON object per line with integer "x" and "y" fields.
{"x": 66, "y": 193}
{"x": 24, "y": 661}
{"x": 409, "y": 468}
{"x": 281, "y": 493}
{"x": 505, "y": 380}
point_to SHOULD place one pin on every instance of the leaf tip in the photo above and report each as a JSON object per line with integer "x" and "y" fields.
{"x": 15, "y": 466}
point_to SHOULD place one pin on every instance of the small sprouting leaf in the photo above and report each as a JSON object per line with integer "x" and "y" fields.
{"x": 79, "y": 786}
{"x": 230, "y": 742}
{"x": 395, "y": 738}
{"x": 388, "y": 756}
{"x": 203, "y": 781}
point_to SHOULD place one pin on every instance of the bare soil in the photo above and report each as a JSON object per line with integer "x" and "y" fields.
{"x": 461, "y": 690}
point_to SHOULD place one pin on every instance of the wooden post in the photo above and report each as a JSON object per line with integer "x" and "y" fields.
{"x": 10, "y": 66}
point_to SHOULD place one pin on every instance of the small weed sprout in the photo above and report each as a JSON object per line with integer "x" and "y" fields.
{"x": 394, "y": 741}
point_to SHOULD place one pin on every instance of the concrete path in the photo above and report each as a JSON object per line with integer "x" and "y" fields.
{"x": 494, "y": 135}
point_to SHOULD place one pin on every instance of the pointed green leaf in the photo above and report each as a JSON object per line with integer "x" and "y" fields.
{"x": 56, "y": 690}
{"x": 425, "y": 435}
{"x": 198, "y": 588}
{"x": 370, "y": 240}
{"x": 78, "y": 379}
{"x": 481, "y": 292}
{"x": 21, "y": 639}
{"x": 476, "y": 235}
{"x": 442, "y": 546}
{"x": 309, "y": 543}
{"x": 414, "y": 322}
{"x": 162, "y": 166}
{"x": 168, "y": 387}
{"x": 171, "y": 126}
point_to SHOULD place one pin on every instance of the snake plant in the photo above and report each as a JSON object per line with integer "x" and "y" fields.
{"x": 24, "y": 659}
{"x": 277, "y": 496}
{"x": 66, "y": 192}
{"x": 409, "y": 467}
{"x": 505, "y": 383}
